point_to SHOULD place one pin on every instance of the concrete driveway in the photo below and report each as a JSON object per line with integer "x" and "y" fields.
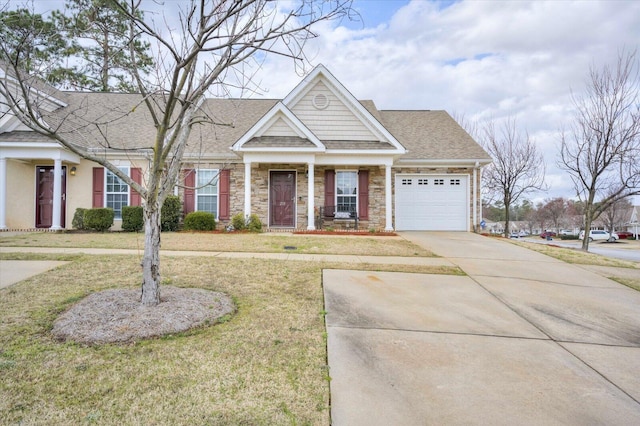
{"x": 523, "y": 339}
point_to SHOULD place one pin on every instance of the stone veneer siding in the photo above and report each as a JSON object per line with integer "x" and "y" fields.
{"x": 260, "y": 191}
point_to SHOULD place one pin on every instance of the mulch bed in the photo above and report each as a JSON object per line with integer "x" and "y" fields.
{"x": 116, "y": 316}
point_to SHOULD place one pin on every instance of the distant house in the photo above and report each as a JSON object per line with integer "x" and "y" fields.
{"x": 633, "y": 224}
{"x": 319, "y": 152}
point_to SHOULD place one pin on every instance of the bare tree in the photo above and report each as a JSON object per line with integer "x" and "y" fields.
{"x": 198, "y": 45}
{"x": 601, "y": 150}
{"x": 518, "y": 167}
{"x": 615, "y": 216}
{"x": 555, "y": 210}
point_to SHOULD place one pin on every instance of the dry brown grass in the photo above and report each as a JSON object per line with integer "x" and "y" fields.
{"x": 571, "y": 255}
{"x": 583, "y": 258}
{"x": 265, "y": 366}
{"x": 227, "y": 242}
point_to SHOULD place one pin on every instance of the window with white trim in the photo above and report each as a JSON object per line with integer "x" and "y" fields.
{"x": 207, "y": 191}
{"x": 116, "y": 192}
{"x": 346, "y": 191}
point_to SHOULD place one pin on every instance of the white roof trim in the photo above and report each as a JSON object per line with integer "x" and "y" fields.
{"x": 279, "y": 110}
{"x": 321, "y": 73}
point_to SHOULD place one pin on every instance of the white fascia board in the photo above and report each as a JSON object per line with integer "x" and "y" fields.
{"x": 278, "y": 108}
{"x": 354, "y": 160}
{"x": 278, "y": 157}
{"x": 442, "y": 163}
{"x": 321, "y": 72}
{"x": 283, "y": 149}
{"x": 38, "y": 152}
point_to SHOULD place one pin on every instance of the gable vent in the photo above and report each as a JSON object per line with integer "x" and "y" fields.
{"x": 320, "y": 101}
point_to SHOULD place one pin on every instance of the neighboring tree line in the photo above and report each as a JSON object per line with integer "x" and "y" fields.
{"x": 556, "y": 214}
{"x": 88, "y": 46}
{"x": 599, "y": 149}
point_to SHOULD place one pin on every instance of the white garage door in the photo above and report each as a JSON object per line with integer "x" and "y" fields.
{"x": 431, "y": 202}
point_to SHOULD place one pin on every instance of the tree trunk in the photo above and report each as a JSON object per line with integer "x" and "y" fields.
{"x": 151, "y": 259}
{"x": 507, "y": 205}
{"x": 588, "y": 220}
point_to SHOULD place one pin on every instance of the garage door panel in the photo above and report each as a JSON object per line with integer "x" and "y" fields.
{"x": 431, "y": 202}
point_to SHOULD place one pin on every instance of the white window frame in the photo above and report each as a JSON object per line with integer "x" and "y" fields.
{"x": 199, "y": 188}
{"x": 126, "y": 170}
{"x": 357, "y": 194}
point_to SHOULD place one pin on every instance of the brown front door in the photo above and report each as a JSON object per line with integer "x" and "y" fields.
{"x": 282, "y": 199}
{"x": 44, "y": 196}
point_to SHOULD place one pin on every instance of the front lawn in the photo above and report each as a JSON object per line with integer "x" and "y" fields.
{"x": 264, "y": 366}
{"x": 227, "y": 242}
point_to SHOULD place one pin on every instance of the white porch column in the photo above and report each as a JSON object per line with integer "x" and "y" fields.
{"x": 311, "y": 220}
{"x": 57, "y": 194}
{"x": 247, "y": 189}
{"x": 3, "y": 193}
{"x": 387, "y": 199}
{"x": 474, "y": 188}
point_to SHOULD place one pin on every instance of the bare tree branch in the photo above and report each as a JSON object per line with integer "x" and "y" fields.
{"x": 518, "y": 167}
{"x": 601, "y": 150}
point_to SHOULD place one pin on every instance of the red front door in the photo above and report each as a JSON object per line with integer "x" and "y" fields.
{"x": 282, "y": 199}
{"x": 44, "y": 196}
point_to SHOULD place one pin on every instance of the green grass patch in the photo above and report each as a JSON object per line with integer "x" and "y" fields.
{"x": 629, "y": 282}
{"x": 225, "y": 242}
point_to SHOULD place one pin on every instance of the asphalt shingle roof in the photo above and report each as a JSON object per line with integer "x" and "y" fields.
{"x": 431, "y": 135}
{"x": 124, "y": 121}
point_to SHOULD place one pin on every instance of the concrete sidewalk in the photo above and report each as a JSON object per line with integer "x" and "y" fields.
{"x": 524, "y": 339}
{"x": 14, "y": 271}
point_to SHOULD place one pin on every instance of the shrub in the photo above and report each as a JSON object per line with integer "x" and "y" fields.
{"x": 568, "y": 237}
{"x": 78, "y": 218}
{"x": 99, "y": 219}
{"x": 200, "y": 221}
{"x": 132, "y": 218}
{"x": 238, "y": 221}
{"x": 254, "y": 224}
{"x": 170, "y": 213}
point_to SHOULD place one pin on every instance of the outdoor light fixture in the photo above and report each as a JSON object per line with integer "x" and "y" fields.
{"x": 73, "y": 171}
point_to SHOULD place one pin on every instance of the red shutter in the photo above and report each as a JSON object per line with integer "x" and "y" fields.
{"x": 363, "y": 194}
{"x": 224, "y": 189}
{"x": 329, "y": 192}
{"x": 98, "y": 187}
{"x": 136, "y": 175}
{"x": 189, "y": 191}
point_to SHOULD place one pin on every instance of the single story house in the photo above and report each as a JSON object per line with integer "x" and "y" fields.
{"x": 319, "y": 153}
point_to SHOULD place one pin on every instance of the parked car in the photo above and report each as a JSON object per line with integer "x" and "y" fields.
{"x": 623, "y": 235}
{"x": 566, "y": 232}
{"x": 599, "y": 235}
{"x": 517, "y": 234}
{"x": 548, "y": 234}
